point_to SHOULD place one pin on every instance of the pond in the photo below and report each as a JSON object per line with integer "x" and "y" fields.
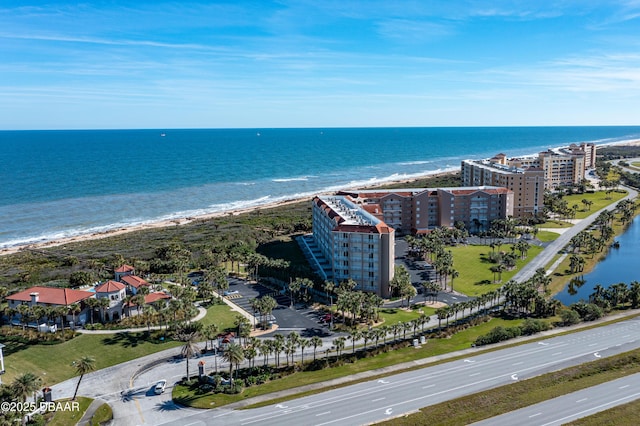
{"x": 621, "y": 265}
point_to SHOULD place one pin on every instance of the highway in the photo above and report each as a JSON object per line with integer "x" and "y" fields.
{"x": 397, "y": 394}
{"x": 573, "y": 406}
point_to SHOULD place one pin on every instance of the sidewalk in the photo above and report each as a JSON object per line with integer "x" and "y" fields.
{"x": 202, "y": 312}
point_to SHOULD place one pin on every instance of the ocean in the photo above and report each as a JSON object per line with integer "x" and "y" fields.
{"x": 58, "y": 184}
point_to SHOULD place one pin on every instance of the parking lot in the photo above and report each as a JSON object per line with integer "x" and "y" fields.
{"x": 301, "y": 319}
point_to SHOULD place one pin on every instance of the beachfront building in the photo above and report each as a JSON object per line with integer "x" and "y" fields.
{"x": 414, "y": 211}
{"x": 527, "y": 182}
{"x": 134, "y": 283}
{"x": 564, "y": 166}
{"x": 351, "y": 242}
{"x": 52, "y": 297}
{"x": 115, "y": 292}
{"x": 124, "y": 271}
{"x": 354, "y": 231}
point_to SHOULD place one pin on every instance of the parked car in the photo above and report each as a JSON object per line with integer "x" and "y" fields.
{"x": 326, "y": 318}
{"x": 159, "y": 387}
{"x": 230, "y": 292}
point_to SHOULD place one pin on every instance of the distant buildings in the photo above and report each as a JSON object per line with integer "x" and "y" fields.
{"x": 528, "y": 177}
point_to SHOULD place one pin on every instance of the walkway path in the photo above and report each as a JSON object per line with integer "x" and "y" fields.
{"x": 202, "y": 312}
{"x": 556, "y": 246}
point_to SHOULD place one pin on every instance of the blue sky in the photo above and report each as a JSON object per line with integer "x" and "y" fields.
{"x": 322, "y": 63}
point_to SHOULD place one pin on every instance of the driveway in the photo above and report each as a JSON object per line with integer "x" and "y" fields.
{"x": 299, "y": 318}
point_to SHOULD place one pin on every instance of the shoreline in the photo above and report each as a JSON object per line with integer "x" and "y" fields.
{"x": 187, "y": 220}
{"x": 234, "y": 212}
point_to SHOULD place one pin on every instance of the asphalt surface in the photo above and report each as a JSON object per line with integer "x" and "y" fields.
{"x": 573, "y": 406}
{"x": 398, "y": 394}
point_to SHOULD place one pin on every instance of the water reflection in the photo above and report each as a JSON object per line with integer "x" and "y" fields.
{"x": 620, "y": 265}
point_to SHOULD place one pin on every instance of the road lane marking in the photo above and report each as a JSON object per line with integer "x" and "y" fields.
{"x": 534, "y": 415}
{"x": 428, "y": 386}
{"x": 582, "y": 400}
{"x": 518, "y": 363}
{"x": 474, "y": 374}
{"x": 624, "y": 387}
{"x": 378, "y": 399}
{"x": 323, "y": 414}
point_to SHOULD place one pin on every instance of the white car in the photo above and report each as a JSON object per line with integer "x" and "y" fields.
{"x": 230, "y": 292}
{"x": 159, "y": 387}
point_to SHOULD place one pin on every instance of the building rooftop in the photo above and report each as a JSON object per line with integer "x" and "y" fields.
{"x": 52, "y": 295}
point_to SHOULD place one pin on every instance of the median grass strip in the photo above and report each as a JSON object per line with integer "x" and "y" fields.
{"x": 461, "y": 340}
{"x": 493, "y": 402}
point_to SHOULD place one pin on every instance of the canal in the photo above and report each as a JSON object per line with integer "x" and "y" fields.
{"x": 621, "y": 265}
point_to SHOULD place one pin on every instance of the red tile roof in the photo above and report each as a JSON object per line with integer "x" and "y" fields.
{"x": 125, "y": 268}
{"x": 52, "y": 296}
{"x": 110, "y": 287}
{"x": 154, "y": 297}
{"x": 134, "y": 281}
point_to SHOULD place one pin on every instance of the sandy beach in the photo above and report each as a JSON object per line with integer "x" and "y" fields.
{"x": 183, "y": 221}
{"x": 187, "y": 220}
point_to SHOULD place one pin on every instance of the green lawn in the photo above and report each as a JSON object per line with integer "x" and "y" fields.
{"x": 547, "y": 236}
{"x": 53, "y": 362}
{"x": 475, "y": 276}
{"x": 220, "y": 315}
{"x": 599, "y": 199}
{"x": 394, "y": 315}
{"x": 70, "y": 417}
{"x": 555, "y": 224}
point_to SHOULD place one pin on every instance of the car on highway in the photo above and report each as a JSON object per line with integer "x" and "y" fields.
{"x": 159, "y": 387}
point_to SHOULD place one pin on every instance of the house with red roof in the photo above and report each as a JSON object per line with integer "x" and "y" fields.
{"x": 53, "y": 297}
{"x": 123, "y": 271}
{"x": 133, "y": 283}
{"x": 115, "y": 292}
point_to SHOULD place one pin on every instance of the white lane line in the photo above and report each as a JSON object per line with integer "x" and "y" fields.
{"x": 582, "y": 400}
{"x": 474, "y": 374}
{"x": 518, "y": 363}
{"x": 323, "y": 414}
{"x": 377, "y": 399}
{"x": 534, "y": 415}
{"x": 556, "y": 354}
{"x": 428, "y": 386}
{"x": 624, "y": 387}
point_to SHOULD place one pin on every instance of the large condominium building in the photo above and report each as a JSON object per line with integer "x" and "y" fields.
{"x": 354, "y": 231}
{"x": 527, "y": 183}
{"x": 411, "y": 211}
{"x": 352, "y": 243}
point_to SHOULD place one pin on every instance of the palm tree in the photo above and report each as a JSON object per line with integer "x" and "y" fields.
{"x": 83, "y": 366}
{"x": 354, "y": 335}
{"x": 190, "y": 348}
{"x": 25, "y": 385}
{"x": 210, "y": 331}
{"x": 266, "y": 347}
{"x": 339, "y": 344}
{"x": 278, "y": 346}
{"x": 303, "y": 343}
{"x": 315, "y": 342}
{"x": 233, "y": 354}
